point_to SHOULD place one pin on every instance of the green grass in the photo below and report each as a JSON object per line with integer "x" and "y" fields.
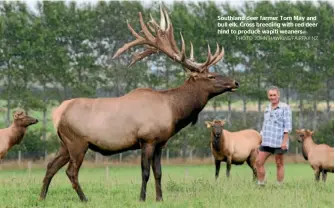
{"x": 183, "y": 186}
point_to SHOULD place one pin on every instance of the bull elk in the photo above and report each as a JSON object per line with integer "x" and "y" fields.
{"x": 319, "y": 156}
{"x": 14, "y": 134}
{"x": 142, "y": 119}
{"x": 233, "y": 147}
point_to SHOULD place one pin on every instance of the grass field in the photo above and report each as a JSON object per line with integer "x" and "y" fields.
{"x": 182, "y": 185}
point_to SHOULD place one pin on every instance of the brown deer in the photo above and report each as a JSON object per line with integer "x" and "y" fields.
{"x": 142, "y": 119}
{"x": 233, "y": 147}
{"x": 319, "y": 156}
{"x": 14, "y": 134}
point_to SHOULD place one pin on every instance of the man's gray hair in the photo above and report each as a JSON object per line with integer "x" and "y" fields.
{"x": 273, "y": 88}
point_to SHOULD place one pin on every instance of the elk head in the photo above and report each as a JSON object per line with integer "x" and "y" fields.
{"x": 22, "y": 119}
{"x": 217, "y": 127}
{"x": 303, "y": 134}
{"x": 164, "y": 42}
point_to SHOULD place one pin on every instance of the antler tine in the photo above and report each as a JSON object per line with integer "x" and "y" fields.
{"x": 191, "y": 52}
{"x": 209, "y": 59}
{"x": 167, "y": 20}
{"x": 219, "y": 57}
{"x": 145, "y": 30}
{"x": 141, "y": 55}
{"x": 129, "y": 45}
{"x": 182, "y": 53}
{"x": 162, "y": 23}
{"x": 153, "y": 21}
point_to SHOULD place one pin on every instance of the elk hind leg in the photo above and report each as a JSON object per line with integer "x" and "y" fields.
{"x": 61, "y": 158}
{"x": 77, "y": 154}
{"x": 251, "y": 161}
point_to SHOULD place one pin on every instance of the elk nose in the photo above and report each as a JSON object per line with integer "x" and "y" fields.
{"x": 237, "y": 84}
{"x": 36, "y": 121}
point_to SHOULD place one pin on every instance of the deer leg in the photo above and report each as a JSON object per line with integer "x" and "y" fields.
{"x": 146, "y": 157}
{"x": 317, "y": 174}
{"x": 217, "y": 168}
{"x": 251, "y": 161}
{"x": 57, "y": 163}
{"x": 77, "y": 154}
{"x": 229, "y": 160}
{"x": 324, "y": 175}
{"x": 157, "y": 170}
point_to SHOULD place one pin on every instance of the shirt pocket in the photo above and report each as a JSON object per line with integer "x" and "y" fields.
{"x": 278, "y": 116}
{"x": 267, "y": 115}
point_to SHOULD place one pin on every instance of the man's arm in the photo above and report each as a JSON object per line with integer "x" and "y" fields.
{"x": 287, "y": 123}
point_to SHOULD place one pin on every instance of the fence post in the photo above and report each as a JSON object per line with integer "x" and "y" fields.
{"x": 191, "y": 154}
{"x": 29, "y": 168}
{"x": 96, "y": 158}
{"x": 107, "y": 172}
{"x": 167, "y": 155}
{"x": 120, "y": 158}
{"x": 296, "y": 153}
{"x": 45, "y": 155}
{"x": 19, "y": 158}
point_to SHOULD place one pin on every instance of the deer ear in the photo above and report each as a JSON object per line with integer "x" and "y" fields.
{"x": 193, "y": 74}
{"x": 208, "y": 124}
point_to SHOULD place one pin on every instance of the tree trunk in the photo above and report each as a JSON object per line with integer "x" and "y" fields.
{"x": 301, "y": 116}
{"x": 229, "y": 110}
{"x": 9, "y": 98}
{"x": 315, "y": 111}
{"x": 288, "y": 95}
{"x": 244, "y": 99}
{"x": 328, "y": 96}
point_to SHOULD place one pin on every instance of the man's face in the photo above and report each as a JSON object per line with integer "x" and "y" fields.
{"x": 273, "y": 96}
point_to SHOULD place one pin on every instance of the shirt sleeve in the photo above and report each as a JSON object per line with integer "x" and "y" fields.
{"x": 287, "y": 119}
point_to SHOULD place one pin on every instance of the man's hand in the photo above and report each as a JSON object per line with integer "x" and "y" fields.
{"x": 284, "y": 146}
{"x": 284, "y": 143}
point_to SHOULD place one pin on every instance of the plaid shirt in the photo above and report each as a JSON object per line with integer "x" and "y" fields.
{"x": 276, "y": 122}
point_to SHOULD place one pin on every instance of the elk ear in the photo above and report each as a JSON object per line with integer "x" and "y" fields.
{"x": 17, "y": 114}
{"x": 208, "y": 124}
{"x": 193, "y": 74}
{"x": 222, "y": 122}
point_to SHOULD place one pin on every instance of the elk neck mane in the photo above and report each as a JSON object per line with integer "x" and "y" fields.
{"x": 186, "y": 102}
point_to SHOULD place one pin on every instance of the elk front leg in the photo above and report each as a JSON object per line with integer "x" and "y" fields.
{"x": 217, "y": 168}
{"x": 229, "y": 159}
{"x": 317, "y": 174}
{"x": 324, "y": 175}
{"x": 157, "y": 170}
{"x": 146, "y": 157}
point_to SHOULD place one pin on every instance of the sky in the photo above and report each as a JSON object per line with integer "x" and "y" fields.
{"x": 235, "y": 3}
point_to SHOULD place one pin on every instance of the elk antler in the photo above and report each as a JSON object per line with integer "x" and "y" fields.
{"x": 165, "y": 42}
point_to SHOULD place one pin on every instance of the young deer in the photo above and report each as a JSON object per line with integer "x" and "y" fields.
{"x": 142, "y": 119}
{"x": 15, "y": 132}
{"x": 233, "y": 147}
{"x": 319, "y": 156}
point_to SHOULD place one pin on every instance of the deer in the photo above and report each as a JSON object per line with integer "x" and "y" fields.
{"x": 233, "y": 147}
{"x": 319, "y": 156}
{"x": 142, "y": 119}
{"x": 14, "y": 134}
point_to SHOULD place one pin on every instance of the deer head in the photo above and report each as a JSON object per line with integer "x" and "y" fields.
{"x": 164, "y": 42}
{"x": 303, "y": 134}
{"x": 217, "y": 126}
{"x": 22, "y": 119}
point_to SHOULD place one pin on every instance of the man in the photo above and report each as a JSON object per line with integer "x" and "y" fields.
{"x": 275, "y": 131}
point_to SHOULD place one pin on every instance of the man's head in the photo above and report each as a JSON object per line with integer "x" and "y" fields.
{"x": 273, "y": 94}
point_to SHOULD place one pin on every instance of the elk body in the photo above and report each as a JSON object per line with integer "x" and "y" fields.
{"x": 233, "y": 147}
{"x": 319, "y": 156}
{"x": 14, "y": 134}
{"x": 142, "y": 119}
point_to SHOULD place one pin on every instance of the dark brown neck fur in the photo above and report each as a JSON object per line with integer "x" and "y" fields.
{"x": 307, "y": 144}
{"x": 18, "y": 133}
{"x": 187, "y": 101}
